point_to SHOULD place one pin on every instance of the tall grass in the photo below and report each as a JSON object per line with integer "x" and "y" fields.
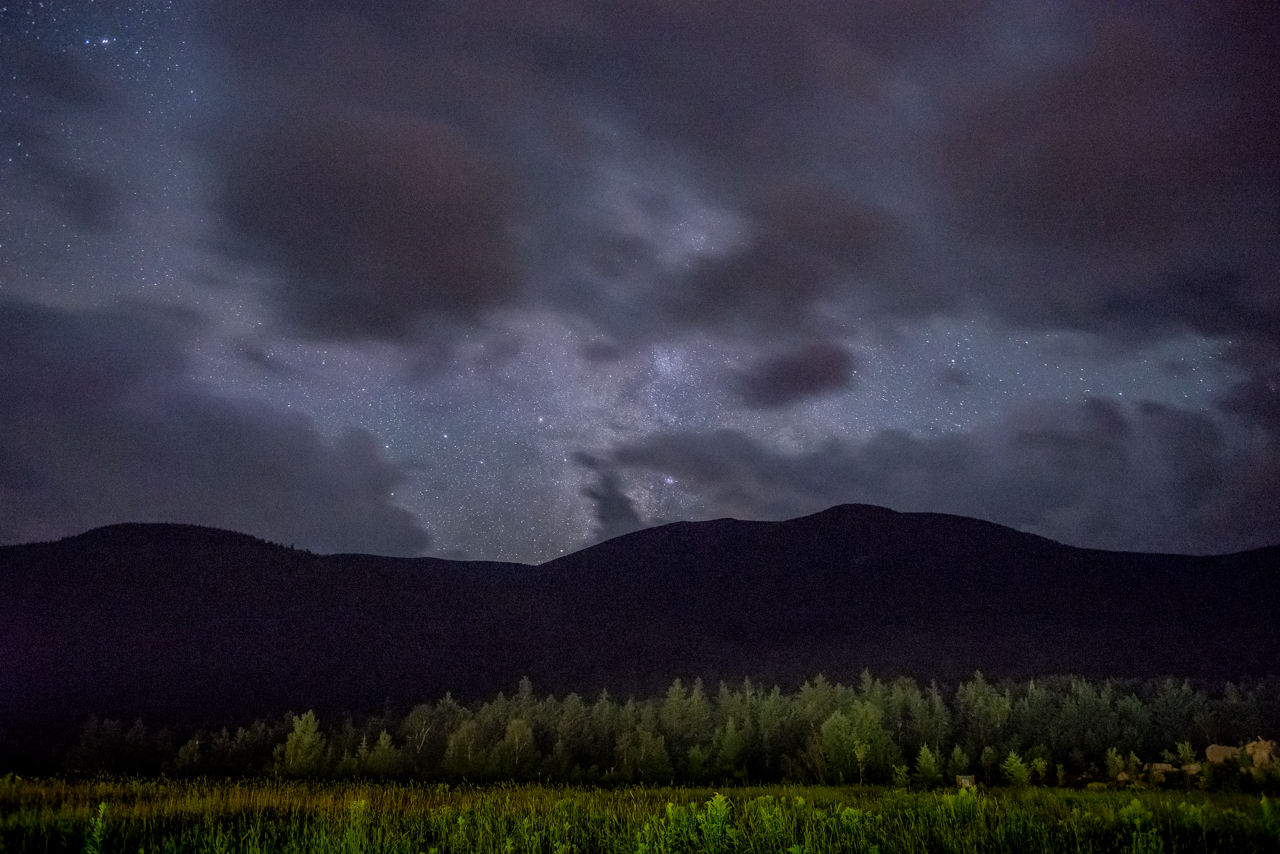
{"x": 120, "y": 815}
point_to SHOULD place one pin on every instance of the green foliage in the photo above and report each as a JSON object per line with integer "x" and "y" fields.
{"x": 1271, "y": 819}
{"x": 984, "y": 712}
{"x": 958, "y": 764}
{"x": 901, "y": 776}
{"x": 1016, "y": 771}
{"x": 1067, "y": 731}
{"x": 281, "y": 815}
{"x": 642, "y": 756}
{"x": 97, "y": 831}
{"x": 731, "y": 751}
{"x": 515, "y": 757}
{"x": 465, "y": 757}
{"x": 841, "y": 746}
{"x": 303, "y": 753}
{"x": 989, "y": 760}
{"x": 928, "y": 772}
{"x": 385, "y": 760}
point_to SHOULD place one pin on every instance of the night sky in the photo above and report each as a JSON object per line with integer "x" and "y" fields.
{"x": 496, "y": 279}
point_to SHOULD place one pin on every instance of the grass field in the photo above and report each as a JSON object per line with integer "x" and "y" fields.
{"x": 291, "y": 816}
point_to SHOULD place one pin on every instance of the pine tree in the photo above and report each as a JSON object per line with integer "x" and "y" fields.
{"x": 958, "y": 764}
{"x": 731, "y": 756}
{"x": 465, "y": 756}
{"x": 303, "y": 753}
{"x": 1015, "y": 770}
{"x": 928, "y": 773}
{"x": 515, "y": 757}
{"x": 642, "y": 756}
{"x": 384, "y": 760}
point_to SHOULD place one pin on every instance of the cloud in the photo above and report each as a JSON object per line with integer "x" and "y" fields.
{"x": 1131, "y": 184}
{"x": 46, "y": 91}
{"x": 1061, "y": 168}
{"x": 615, "y": 514}
{"x": 372, "y": 224}
{"x": 1101, "y": 475}
{"x": 812, "y": 371}
{"x": 99, "y": 424}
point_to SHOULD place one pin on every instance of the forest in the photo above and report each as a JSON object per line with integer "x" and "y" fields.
{"x": 1058, "y": 731}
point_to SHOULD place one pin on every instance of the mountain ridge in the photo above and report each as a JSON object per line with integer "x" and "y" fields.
{"x": 173, "y": 621}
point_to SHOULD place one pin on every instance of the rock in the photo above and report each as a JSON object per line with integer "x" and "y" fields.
{"x": 1158, "y": 771}
{"x": 1220, "y": 754}
{"x": 1264, "y": 759}
{"x": 1263, "y": 753}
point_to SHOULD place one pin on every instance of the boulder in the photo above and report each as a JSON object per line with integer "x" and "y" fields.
{"x": 1221, "y": 754}
{"x": 1158, "y": 771}
{"x": 1263, "y": 753}
{"x": 1264, "y": 760}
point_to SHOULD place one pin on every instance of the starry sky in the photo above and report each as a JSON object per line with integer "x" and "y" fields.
{"x": 496, "y": 280}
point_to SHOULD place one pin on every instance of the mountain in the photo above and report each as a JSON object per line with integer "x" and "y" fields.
{"x": 177, "y": 622}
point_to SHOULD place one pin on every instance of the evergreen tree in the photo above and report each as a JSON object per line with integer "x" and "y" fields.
{"x": 1087, "y": 724}
{"x": 774, "y": 716}
{"x": 465, "y": 756}
{"x": 384, "y": 760}
{"x": 928, "y": 772}
{"x": 905, "y": 711}
{"x": 642, "y": 756}
{"x": 840, "y": 747}
{"x": 958, "y": 764}
{"x": 602, "y": 733}
{"x": 731, "y": 751}
{"x": 303, "y": 753}
{"x": 934, "y": 725}
{"x": 984, "y": 712}
{"x": 515, "y": 757}
{"x": 1015, "y": 770}
{"x": 1177, "y": 712}
{"x": 1133, "y": 720}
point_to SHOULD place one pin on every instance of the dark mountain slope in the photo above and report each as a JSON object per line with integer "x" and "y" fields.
{"x": 172, "y": 621}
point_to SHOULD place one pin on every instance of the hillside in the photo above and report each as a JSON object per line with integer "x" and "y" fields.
{"x": 181, "y": 622}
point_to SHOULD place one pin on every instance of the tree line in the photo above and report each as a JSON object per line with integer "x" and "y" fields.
{"x": 1055, "y": 730}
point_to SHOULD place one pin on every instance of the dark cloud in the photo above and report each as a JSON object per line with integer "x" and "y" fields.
{"x": 952, "y": 378}
{"x": 734, "y": 88}
{"x": 812, "y": 371}
{"x": 44, "y": 91}
{"x": 1154, "y": 146}
{"x": 1051, "y": 168}
{"x": 615, "y": 514}
{"x": 99, "y": 424}
{"x": 1146, "y": 141}
{"x": 373, "y": 224}
{"x": 1257, "y": 399}
{"x": 56, "y": 76}
{"x": 1215, "y": 303}
{"x": 601, "y": 351}
{"x": 1150, "y": 478}
{"x": 806, "y": 243}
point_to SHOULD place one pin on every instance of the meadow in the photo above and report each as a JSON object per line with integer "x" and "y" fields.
{"x": 279, "y": 815}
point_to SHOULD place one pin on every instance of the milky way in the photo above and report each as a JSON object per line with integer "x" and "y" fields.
{"x": 497, "y": 280}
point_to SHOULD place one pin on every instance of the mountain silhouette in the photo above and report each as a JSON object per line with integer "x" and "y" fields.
{"x": 183, "y": 623}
